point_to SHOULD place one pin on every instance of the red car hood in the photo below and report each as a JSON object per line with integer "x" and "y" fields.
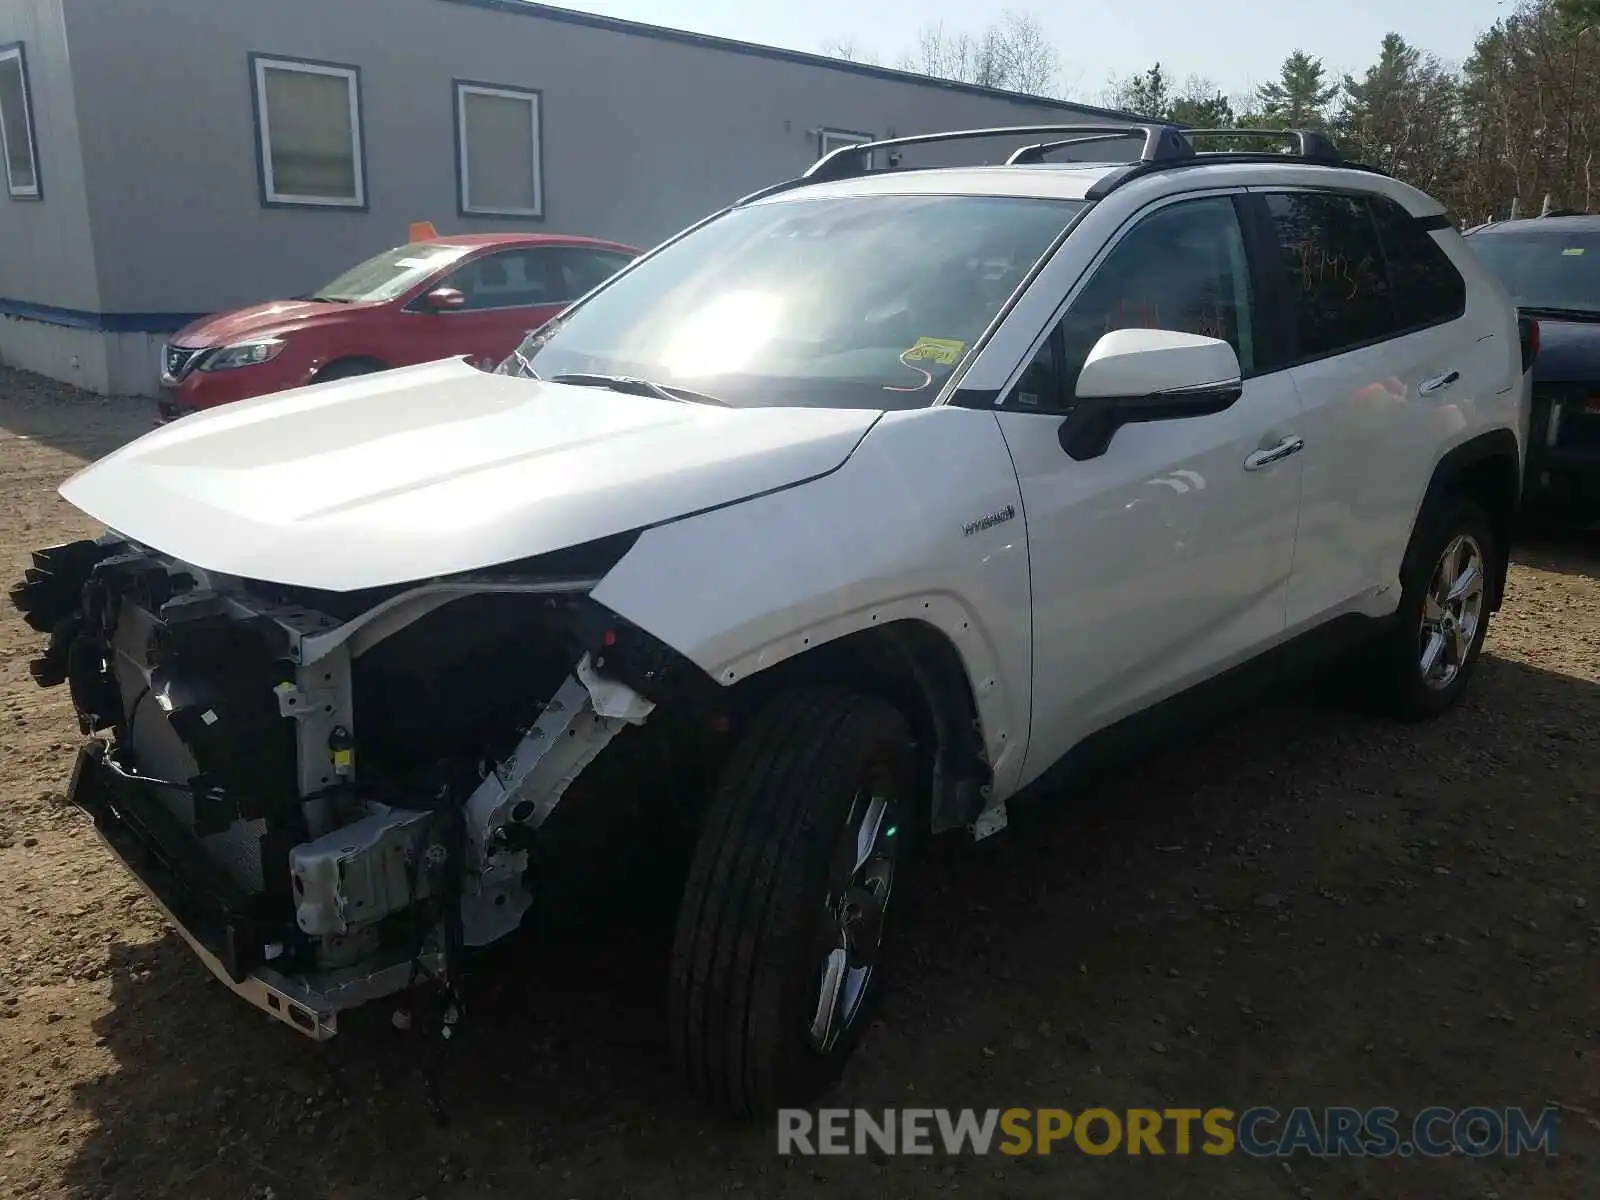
{"x": 261, "y": 320}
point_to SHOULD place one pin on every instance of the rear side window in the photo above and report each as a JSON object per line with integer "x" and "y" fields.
{"x": 1336, "y": 271}
{"x": 1427, "y": 287}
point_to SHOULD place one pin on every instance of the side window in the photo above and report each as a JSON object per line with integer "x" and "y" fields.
{"x": 1336, "y": 272}
{"x": 510, "y": 279}
{"x": 1427, "y": 287}
{"x": 1183, "y": 268}
{"x": 584, "y": 270}
{"x": 1041, "y": 387}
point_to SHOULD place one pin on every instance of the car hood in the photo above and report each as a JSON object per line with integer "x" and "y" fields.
{"x": 1569, "y": 351}
{"x": 438, "y": 469}
{"x": 261, "y": 320}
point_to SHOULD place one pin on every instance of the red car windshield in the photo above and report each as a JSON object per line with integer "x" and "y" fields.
{"x": 387, "y": 275}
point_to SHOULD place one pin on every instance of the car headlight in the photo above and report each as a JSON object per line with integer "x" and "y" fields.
{"x": 242, "y": 354}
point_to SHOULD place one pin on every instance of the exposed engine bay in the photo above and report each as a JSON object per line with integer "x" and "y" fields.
{"x": 335, "y": 795}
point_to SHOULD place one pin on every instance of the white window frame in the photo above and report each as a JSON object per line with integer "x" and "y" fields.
{"x": 271, "y": 197}
{"x": 535, "y": 101}
{"x": 829, "y": 140}
{"x": 15, "y": 52}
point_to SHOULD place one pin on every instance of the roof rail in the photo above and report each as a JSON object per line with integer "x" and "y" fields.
{"x": 1036, "y": 152}
{"x": 1162, "y": 143}
{"x": 1166, "y": 146}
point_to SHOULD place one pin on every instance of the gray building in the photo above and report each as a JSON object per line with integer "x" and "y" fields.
{"x": 169, "y": 158}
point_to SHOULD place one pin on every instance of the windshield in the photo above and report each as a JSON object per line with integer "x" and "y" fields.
{"x": 853, "y": 302}
{"x": 387, "y": 275}
{"x": 1545, "y": 268}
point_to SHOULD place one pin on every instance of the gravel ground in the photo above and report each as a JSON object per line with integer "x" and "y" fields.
{"x": 1302, "y": 906}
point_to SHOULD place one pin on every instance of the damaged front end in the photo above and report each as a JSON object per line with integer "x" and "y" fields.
{"x": 334, "y": 795}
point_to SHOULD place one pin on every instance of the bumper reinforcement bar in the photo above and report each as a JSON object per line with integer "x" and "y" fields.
{"x": 208, "y": 911}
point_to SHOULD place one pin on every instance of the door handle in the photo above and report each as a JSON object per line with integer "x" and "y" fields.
{"x": 1265, "y": 458}
{"x": 1438, "y": 383}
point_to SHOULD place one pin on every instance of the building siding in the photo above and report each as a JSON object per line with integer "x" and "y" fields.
{"x": 47, "y": 253}
{"x": 641, "y": 134}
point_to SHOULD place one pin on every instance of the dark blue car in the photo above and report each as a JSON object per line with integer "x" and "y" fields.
{"x": 1551, "y": 267}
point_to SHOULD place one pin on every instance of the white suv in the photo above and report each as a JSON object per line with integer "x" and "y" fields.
{"x": 841, "y": 519}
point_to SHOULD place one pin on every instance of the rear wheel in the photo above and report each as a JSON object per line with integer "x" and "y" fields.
{"x": 1425, "y": 662}
{"x": 778, "y": 961}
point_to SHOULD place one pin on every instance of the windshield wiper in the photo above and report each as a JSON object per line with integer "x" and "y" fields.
{"x": 639, "y": 387}
{"x": 331, "y": 299}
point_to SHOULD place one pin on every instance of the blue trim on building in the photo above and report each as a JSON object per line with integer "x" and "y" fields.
{"x": 528, "y": 8}
{"x": 96, "y": 322}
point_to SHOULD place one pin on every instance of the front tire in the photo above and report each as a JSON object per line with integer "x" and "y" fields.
{"x": 777, "y": 959}
{"x": 1424, "y": 664}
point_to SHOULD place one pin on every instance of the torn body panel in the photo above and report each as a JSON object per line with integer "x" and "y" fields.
{"x": 334, "y": 795}
{"x": 916, "y": 554}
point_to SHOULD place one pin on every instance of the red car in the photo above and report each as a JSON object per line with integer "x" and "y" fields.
{"x": 476, "y": 294}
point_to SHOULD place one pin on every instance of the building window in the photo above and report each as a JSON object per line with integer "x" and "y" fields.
{"x": 308, "y": 129}
{"x": 16, "y": 126}
{"x": 499, "y": 167}
{"x": 829, "y": 140}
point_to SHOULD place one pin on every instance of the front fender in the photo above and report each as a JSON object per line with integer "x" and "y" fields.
{"x": 924, "y": 522}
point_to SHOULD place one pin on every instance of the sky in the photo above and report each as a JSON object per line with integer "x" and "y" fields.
{"x": 1235, "y": 43}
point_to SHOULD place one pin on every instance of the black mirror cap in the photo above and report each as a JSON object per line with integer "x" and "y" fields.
{"x": 1088, "y": 430}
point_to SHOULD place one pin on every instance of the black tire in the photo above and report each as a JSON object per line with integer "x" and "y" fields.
{"x": 1396, "y": 683}
{"x": 746, "y": 964}
{"x": 348, "y": 368}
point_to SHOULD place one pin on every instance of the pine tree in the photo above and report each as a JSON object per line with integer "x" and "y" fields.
{"x": 1298, "y": 98}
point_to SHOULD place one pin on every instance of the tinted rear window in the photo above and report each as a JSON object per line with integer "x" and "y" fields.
{"x": 1336, "y": 270}
{"x": 1427, "y": 287}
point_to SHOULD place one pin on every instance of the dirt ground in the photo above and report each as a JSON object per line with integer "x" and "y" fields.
{"x": 1302, "y": 907}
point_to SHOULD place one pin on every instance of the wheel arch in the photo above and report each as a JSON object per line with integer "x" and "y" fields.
{"x": 370, "y": 361}
{"x": 1488, "y": 470}
{"x": 915, "y": 665}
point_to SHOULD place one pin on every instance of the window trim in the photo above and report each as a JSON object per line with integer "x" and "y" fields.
{"x": 1234, "y": 195}
{"x": 17, "y": 51}
{"x": 460, "y": 88}
{"x": 1291, "y": 300}
{"x": 270, "y": 197}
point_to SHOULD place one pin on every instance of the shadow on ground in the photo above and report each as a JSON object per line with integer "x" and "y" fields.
{"x": 1301, "y": 906}
{"x": 64, "y": 418}
{"x": 1562, "y": 549}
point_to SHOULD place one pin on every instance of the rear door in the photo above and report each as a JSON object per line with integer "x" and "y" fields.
{"x": 1384, "y": 363}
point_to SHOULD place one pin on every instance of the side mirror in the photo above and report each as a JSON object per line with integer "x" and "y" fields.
{"x": 444, "y": 299}
{"x": 1148, "y": 375}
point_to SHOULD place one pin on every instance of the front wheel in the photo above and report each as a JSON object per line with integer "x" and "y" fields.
{"x": 1424, "y": 664}
{"x": 799, "y": 869}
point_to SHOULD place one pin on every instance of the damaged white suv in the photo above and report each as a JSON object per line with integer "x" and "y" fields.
{"x": 836, "y": 521}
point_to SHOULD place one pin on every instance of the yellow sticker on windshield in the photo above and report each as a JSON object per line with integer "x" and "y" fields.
{"x": 1573, "y": 250}
{"x": 943, "y": 351}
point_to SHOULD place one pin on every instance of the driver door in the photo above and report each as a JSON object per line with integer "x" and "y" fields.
{"x": 1166, "y": 559}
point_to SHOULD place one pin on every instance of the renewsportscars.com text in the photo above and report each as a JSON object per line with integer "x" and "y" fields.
{"x": 1259, "y": 1132}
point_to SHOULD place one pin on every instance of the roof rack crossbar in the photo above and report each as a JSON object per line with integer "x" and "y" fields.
{"x": 1308, "y": 143}
{"x": 1162, "y": 143}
